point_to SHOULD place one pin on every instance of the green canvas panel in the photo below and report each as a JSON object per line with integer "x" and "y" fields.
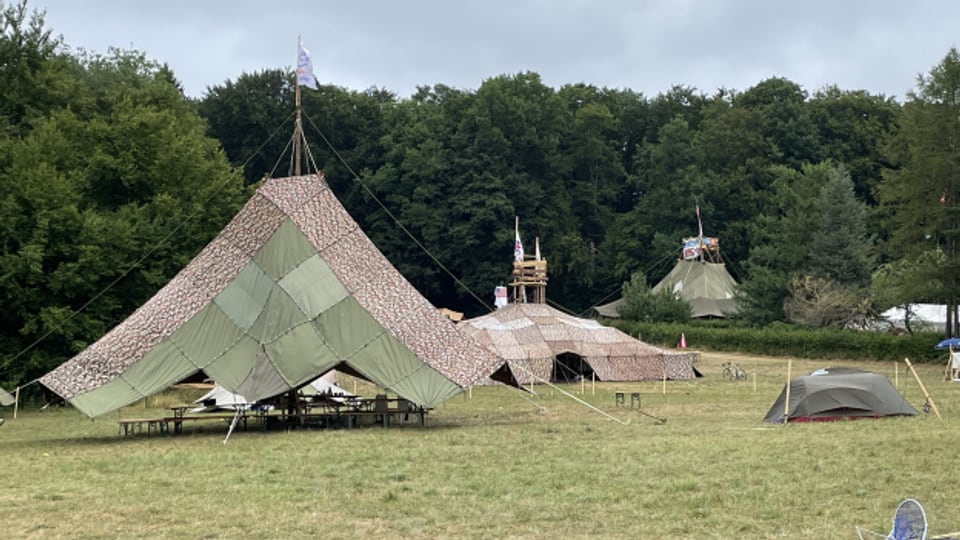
{"x": 264, "y": 381}
{"x": 284, "y": 251}
{"x": 347, "y": 327}
{"x": 301, "y": 355}
{"x": 162, "y": 366}
{"x": 110, "y": 396}
{"x": 427, "y": 383}
{"x": 244, "y": 298}
{"x": 279, "y": 315}
{"x": 314, "y": 286}
{"x": 235, "y": 365}
{"x": 388, "y": 363}
{"x": 206, "y": 335}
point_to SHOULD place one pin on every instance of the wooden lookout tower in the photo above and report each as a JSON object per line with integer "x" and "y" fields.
{"x": 528, "y": 282}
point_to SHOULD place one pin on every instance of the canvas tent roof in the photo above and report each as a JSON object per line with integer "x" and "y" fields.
{"x": 290, "y": 289}
{"x": 706, "y": 286}
{"x": 839, "y": 393}
{"x": 531, "y": 337}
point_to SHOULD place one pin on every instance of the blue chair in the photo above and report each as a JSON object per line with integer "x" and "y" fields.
{"x": 909, "y": 523}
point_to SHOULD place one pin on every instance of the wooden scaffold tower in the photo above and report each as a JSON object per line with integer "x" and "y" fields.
{"x": 529, "y": 273}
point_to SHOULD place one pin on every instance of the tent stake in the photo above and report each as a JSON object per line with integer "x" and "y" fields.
{"x": 786, "y": 402}
{"x": 923, "y": 388}
{"x": 593, "y": 384}
{"x": 664, "y": 379}
{"x": 16, "y": 402}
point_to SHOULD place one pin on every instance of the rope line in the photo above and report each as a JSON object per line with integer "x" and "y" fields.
{"x": 568, "y": 394}
{"x": 393, "y": 217}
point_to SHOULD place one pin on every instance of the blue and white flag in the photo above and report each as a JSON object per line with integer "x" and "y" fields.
{"x": 305, "y": 76}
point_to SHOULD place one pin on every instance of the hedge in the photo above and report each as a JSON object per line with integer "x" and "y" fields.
{"x": 781, "y": 339}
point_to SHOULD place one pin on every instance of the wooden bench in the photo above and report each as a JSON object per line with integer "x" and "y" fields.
{"x": 620, "y": 399}
{"x": 130, "y": 426}
{"x": 178, "y": 421}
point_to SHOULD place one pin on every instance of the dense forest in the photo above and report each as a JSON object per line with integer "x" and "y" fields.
{"x": 829, "y": 205}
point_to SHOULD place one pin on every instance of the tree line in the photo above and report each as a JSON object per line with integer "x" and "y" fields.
{"x": 828, "y": 205}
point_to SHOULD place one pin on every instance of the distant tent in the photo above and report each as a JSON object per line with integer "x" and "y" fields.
{"x": 700, "y": 277}
{"x": 220, "y": 398}
{"x": 836, "y": 393}
{"x": 290, "y": 289}
{"x": 6, "y": 399}
{"x": 542, "y": 343}
{"x": 923, "y": 317}
{"x": 706, "y": 286}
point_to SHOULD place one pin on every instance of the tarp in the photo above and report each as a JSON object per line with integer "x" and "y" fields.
{"x": 533, "y": 338}
{"x": 836, "y": 393}
{"x": 706, "y": 286}
{"x": 290, "y": 289}
{"x": 6, "y": 399}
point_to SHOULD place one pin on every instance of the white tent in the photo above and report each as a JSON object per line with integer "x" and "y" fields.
{"x": 928, "y": 317}
{"x": 221, "y": 398}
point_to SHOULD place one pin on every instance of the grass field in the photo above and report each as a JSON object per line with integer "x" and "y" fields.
{"x": 499, "y": 464}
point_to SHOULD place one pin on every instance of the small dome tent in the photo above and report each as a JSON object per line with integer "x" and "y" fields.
{"x": 837, "y": 393}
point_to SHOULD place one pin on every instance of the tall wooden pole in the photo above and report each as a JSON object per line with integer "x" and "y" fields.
{"x": 923, "y": 388}
{"x": 297, "y": 133}
{"x": 786, "y": 401}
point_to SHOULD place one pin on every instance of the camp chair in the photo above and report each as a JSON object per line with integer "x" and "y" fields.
{"x": 909, "y": 523}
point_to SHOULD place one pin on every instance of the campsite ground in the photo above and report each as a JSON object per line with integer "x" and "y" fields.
{"x": 497, "y": 463}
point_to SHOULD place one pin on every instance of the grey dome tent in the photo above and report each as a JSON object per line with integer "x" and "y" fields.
{"x": 838, "y": 393}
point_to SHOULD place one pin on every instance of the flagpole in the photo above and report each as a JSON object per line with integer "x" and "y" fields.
{"x": 700, "y": 232}
{"x": 296, "y": 128}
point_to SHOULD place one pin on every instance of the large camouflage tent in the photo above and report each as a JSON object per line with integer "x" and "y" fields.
{"x": 544, "y": 344}
{"x": 290, "y": 289}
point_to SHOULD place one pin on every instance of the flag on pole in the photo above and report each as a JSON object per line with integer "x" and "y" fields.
{"x": 518, "y": 249}
{"x": 305, "y": 76}
{"x": 500, "y": 296}
{"x": 699, "y": 223}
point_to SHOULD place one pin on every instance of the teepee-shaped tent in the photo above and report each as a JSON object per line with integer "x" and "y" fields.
{"x": 705, "y": 285}
{"x": 700, "y": 277}
{"x": 544, "y": 344}
{"x": 290, "y": 289}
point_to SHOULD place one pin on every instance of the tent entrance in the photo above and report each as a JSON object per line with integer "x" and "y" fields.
{"x": 570, "y": 367}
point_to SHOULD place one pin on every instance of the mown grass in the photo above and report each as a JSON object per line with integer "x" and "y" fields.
{"x": 498, "y": 465}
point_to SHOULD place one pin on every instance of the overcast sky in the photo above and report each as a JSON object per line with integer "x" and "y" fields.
{"x": 645, "y": 45}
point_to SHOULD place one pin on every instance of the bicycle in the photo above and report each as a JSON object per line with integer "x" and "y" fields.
{"x": 733, "y": 371}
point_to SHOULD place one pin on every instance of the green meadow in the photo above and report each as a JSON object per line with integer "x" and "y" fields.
{"x": 565, "y": 462}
